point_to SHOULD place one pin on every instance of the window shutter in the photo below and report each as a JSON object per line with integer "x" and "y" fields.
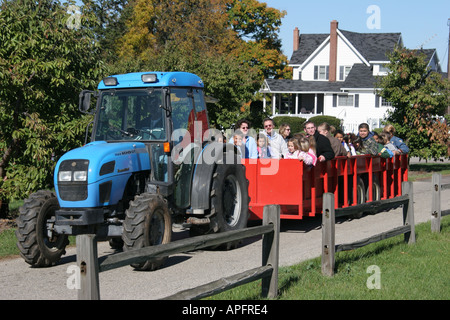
{"x": 316, "y": 72}
{"x": 377, "y": 101}
{"x": 334, "y": 100}
{"x": 356, "y": 100}
{"x": 341, "y": 72}
{"x": 328, "y": 72}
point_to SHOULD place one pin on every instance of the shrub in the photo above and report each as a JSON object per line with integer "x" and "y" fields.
{"x": 295, "y": 123}
{"x": 332, "y": 121}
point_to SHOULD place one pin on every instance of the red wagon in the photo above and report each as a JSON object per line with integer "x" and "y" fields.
{"x": 298, "y": 189}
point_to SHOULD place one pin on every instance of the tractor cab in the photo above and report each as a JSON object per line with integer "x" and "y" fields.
{"x": 164, "y": 111}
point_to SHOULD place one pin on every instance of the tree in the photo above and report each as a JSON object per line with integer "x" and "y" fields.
{"x": 258, "y": 25}
{"x": 215, "y": 39}
{"x": 419, "y": 98}
{"x": 47, "y": 56}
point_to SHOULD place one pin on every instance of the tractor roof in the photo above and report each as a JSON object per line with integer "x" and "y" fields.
{"x": 151, "y": 79}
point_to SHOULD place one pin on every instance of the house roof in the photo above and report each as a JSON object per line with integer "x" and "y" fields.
{"x": 372, "y": 46}
{"x": 288, "y": 85}
{"x": 360, "y": 77}
{"x": 307, "y": 44}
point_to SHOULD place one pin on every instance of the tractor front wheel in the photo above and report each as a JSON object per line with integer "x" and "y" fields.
{"x": 37, "y": 243}
{"x": 147, "y": 223}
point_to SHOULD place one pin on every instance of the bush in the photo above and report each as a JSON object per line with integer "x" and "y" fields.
{"x": 295, "y": 123}
{"x": 332, "y": 121}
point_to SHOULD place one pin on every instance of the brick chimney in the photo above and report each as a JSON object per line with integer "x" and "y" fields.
{"x": 333, "y": 51}
{"x": 296, "y": 38}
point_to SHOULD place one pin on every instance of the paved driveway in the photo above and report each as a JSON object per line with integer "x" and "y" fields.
{"x": 300, "y": 240}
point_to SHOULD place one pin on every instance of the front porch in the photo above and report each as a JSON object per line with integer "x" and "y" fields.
{"x": 296, "y": 104}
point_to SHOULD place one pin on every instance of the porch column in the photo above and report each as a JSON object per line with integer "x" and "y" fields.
{"x": 315, "y": 103}
{"x": 296, "y": 103}
{"x": 274, "y": 103}
{"x": 264, "y": 102}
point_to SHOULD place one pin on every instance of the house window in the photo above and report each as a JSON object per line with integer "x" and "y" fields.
{"x": 345, "y": 101}
{"x": 385, "y": 103}
{"x": 384, "y": 69}
{"x": 321, "y": 72}
{"x": 343, "y": 72}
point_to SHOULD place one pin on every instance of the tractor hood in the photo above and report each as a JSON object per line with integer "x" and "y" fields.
{"x": 106, "y": 159}
{"x": 97, "y": 163}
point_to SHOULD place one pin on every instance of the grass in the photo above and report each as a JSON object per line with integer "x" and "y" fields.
{"x": 407, "y": 272}
{"x": 8, "y": 243}
{"x": 425, "y": 170}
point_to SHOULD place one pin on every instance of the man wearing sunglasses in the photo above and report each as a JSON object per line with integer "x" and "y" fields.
{"x": 277, "y": 145}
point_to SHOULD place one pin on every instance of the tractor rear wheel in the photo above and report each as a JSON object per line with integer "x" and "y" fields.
{"x": 229, "y": 199}
{"x": 38, "y": 245}
{"x": 147, "y": 223}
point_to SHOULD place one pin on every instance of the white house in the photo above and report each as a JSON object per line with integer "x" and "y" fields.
{"x": 335, "y": 74}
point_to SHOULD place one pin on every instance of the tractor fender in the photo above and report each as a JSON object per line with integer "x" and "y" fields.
{"x": 212, "y": 154}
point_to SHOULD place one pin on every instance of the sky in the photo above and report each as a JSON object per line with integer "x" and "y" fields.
{"x": 421, "y": 23}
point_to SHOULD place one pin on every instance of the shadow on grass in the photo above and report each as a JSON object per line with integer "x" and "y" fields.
{"x": 429, "y": 167}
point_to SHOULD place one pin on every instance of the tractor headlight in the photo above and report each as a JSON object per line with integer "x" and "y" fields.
{"x": 65, "y": 176}
{"x": 73, "y": 171}
{"x": 80, "y": 176}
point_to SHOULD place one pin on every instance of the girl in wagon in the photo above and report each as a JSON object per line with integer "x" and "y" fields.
{"x": 301, "y": 150}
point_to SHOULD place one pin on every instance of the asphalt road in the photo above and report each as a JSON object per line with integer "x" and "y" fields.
{"x": 300, "y": 240}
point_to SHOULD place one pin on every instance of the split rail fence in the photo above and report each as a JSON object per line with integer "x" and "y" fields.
{"x": 329, "y": 248}
{"x": 87, "y": 259}
{"x": 436, "y": 212}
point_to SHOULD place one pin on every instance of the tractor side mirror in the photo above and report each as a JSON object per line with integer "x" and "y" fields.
{"x": 85, "y": 101}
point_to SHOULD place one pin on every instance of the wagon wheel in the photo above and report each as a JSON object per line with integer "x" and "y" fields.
{"x": 360, "y": 196}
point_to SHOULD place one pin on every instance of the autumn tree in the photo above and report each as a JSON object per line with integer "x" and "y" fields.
{"x": 47, "y": 56}
{"x": 419, "y": 98}
{"x": 211, "y": 38}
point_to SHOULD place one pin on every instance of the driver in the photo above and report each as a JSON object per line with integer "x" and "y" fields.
{"x": 152, "y": 115}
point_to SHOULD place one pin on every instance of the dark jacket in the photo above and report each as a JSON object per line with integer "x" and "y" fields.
{"x": 323, "y": 146}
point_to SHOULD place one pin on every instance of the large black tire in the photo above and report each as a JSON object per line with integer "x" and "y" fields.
{"x": 376, "y": 189}
{"x": 147, "y": 223}
{"x": 229, "y": 197}
{"x": 229, "y": 201}
{"x": 33, "y": 240}
{"x": 361, "y": 197}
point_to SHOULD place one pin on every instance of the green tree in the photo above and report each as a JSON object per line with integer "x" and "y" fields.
{"x": 258, "y": 25}
{"x": 419, "y": 98}
{"x": 47, "y": 56}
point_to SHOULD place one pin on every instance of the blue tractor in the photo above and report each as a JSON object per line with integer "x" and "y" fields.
{"x": 153, "y": 160}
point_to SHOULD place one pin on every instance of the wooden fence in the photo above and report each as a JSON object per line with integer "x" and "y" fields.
{"x": 87, "y": 259}
{"x": 330, "y": 213}
{"x": 436, "y": 212}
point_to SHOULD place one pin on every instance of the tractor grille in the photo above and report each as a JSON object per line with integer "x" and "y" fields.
{"x": 73, "y": 192}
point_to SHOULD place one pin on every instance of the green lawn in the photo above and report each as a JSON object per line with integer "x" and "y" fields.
{"x": 407, "y": 272}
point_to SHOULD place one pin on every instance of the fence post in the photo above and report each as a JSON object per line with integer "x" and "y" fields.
{"x": 408, "y": 212}
{"x": 87, "y": 261}
{"x": 328, "y": 235}
{"x": 436, "y": 203}
{"x": 270, "y": 250}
